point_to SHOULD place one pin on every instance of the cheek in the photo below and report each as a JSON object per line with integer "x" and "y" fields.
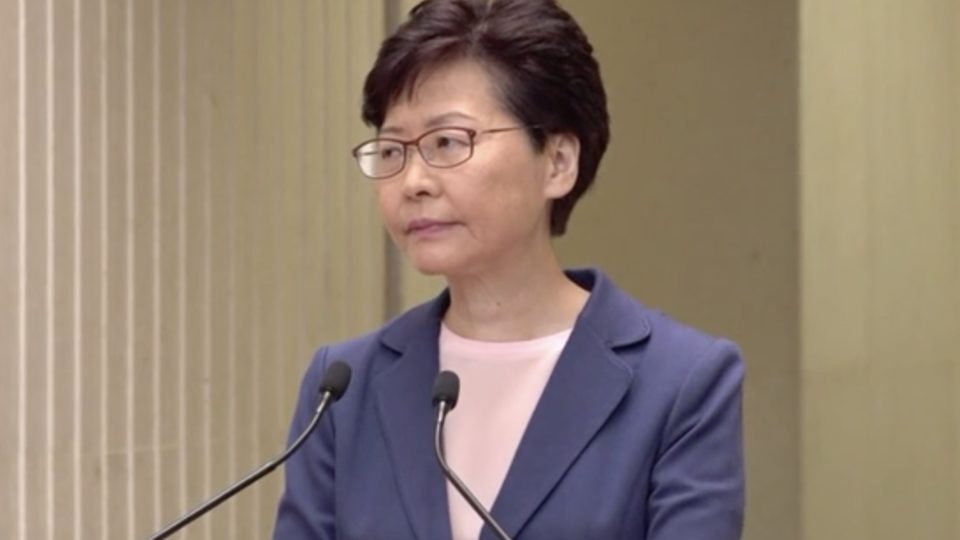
{"x": 513, "y": 193}
{"x": 388, "y": 206}
{"x": 504, "y": 214}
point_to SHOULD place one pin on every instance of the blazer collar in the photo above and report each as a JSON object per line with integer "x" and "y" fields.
{"x": 616, "y": 318}
{"x": 586, "y": 385}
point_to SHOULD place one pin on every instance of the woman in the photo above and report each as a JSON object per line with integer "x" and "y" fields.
{"x": 582, "y": 414}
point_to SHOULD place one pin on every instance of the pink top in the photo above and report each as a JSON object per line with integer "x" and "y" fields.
{"x": 500, "y": 384}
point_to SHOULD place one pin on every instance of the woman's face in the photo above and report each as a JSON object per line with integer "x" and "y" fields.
{"x": 488, "y": 212}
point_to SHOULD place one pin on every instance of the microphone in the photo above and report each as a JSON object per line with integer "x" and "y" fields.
{"x": 334, "y": 384}
{"x": 446, "y": 391}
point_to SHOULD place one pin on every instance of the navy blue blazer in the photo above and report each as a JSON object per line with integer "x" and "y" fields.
{"x": 637, "y": 436}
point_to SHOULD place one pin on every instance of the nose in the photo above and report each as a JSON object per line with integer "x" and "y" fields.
{"x": 418, "y": 177}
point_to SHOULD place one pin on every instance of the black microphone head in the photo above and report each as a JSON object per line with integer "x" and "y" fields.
{"x": 446, "y": 388}
{"x": 336, "y": 379}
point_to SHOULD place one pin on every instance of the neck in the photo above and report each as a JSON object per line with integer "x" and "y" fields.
{"x": 527, "y": 300}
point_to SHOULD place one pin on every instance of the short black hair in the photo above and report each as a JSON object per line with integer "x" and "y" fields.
{"x": 541, "y": 59}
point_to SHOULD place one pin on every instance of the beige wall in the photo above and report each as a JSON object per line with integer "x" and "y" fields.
{"x": 880, "y": 202}
{"x": 174, "y": 185}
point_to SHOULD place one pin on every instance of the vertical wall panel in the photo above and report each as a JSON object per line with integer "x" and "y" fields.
{"x": 91, "y": 149}
{"x": 35, "y": 349}
{"x": 139, "y": 308}
{"x": 193, "y": 392}
{"x": 183, "y": 227}
{"x": 10, "y": 357}
{"x": 241, "y": 452}
{"x": 158, "y": 349}
{"x": 367, "y": 265}
{"x": 168, "y": 202}
{"x": 62, "y": 274}
{"x": 268, "y": 139}
{"x": 221, "y": 268}
{"x": 881, "y": 269}
{"x": 316, "y": 280}
{"x": 140, "y": 239}
{"x": 116, "y": 274}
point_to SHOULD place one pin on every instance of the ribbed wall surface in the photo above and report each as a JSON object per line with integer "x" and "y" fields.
{"x": 180, "y": 225}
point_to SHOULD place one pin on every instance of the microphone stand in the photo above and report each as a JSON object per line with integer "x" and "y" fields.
{"x": 442, "y": 410}
{"x": 325, "y": 399}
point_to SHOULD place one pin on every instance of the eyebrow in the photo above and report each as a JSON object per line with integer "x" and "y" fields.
{"x": 436, "y": 121}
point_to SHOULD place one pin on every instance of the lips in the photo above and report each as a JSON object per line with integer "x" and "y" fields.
{"x": 426, "y": 226}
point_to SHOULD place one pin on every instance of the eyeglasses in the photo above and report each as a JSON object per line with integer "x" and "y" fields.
{"x": 442, "y": 148}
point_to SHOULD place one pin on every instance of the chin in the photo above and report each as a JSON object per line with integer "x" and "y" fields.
{"x": 431, "y": 268}
{"x": 435, "y": 264}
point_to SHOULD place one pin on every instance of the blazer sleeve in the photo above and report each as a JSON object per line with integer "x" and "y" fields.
{"x": 697, "y": 490}
{"x": 306, "y": 509}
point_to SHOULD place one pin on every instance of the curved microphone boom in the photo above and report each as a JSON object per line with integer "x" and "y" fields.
{"x": 446, "y": 391}
{"x": 332, "y": 387}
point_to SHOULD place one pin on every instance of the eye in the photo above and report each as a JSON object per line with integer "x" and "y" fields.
{"x": 445, "y": 142}
{"x": 448, "y": 140}
{"x": 390, "y": 152}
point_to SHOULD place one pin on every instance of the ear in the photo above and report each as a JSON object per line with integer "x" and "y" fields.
{"x": 563, "y": 164}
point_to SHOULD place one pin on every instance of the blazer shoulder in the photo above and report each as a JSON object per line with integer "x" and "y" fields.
{"x": 385, "y": 342}
{"x": 647, "y": 339}
{"x": 356, "y": 352}
{"x": 678, "y": 348}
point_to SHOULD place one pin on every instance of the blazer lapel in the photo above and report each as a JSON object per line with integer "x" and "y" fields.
{"x": 403, "y": 394}
{"x": 587, "y": 384}
{"x": 585, "y": 387}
